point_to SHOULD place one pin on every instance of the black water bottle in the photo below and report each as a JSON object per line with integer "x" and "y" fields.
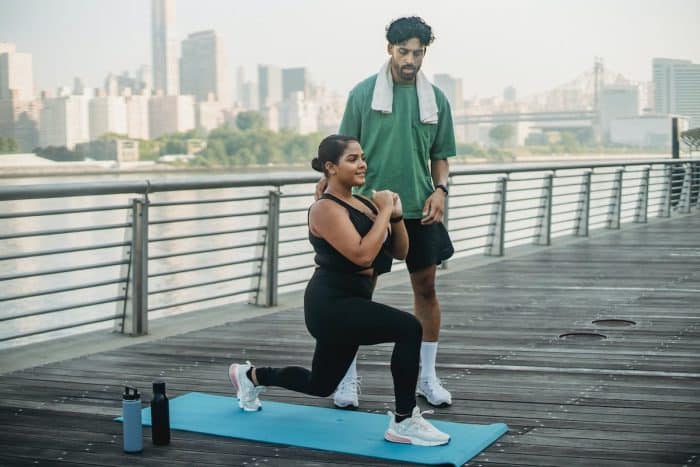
{"x": 160, "y": 415}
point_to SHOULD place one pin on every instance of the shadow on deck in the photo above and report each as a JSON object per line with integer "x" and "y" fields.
{"x": 609, "y": 394}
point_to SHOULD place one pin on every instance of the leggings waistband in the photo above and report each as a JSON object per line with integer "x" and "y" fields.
{"x": 354, "y": 284}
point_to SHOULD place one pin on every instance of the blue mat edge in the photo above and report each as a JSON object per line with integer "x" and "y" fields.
{"x": 499, "y": 430}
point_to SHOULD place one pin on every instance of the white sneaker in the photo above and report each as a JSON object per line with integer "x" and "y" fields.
{"x": 415, "y": 430}
{"x": 434, "y": 393}
{"x": 246, "y": 392}
{"x": 345, "y": 395}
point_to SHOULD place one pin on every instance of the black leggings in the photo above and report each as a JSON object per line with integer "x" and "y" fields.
{"x": 340, "y": 314}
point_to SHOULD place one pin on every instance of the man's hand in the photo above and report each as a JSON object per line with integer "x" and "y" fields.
{"x": 434, "y": 208}
{"x": 320, "y": 187}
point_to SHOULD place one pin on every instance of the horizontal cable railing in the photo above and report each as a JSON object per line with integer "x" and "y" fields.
{"x": 90, "y": 255}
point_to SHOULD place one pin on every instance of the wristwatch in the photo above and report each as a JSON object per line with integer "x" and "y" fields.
{"x": 443, "y": 188}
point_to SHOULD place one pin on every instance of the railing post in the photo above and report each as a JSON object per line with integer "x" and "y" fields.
{"x": 498, "y": 220}
{"x": 686, "y": 189}
{"x": 641, "y": 211}
{"x": 695, "y": 192}
{"x": 135, "y": 321}
{"x": 271, "y": 256}
{"x": 613, "y": 221}
{"x": 545, "y": 212}
{"x": 665, "y": 206}
{"x": 696, "y": 184}
{"x": 584, "y": 203}
{"x": 125, "y": 271}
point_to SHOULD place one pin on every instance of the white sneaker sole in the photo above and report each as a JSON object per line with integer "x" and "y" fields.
{"x": 233, "y": 377}
{"x": 441, "y": 404}
{"x": 393, "y": 437}
{"x": 346, "y": 405}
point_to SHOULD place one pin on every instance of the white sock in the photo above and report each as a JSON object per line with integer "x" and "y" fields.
{"x": 352, "y": 371}
{"x": 428, "y": 355}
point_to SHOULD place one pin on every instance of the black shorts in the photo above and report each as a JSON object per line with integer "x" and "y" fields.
{"x": 429, "y": 245}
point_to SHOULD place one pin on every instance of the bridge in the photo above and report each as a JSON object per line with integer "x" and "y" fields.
{"x": 570, "y": 313}
{"x": 582, "y": 117}
{"x": 588, "y": 84}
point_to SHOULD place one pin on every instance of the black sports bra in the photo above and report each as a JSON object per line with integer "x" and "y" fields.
{"x": 329, "y": 258}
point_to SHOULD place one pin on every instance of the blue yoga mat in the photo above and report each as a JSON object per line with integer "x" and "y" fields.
{"x": 358, "y": 433}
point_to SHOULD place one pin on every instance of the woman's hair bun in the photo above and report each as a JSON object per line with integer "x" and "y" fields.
{"x": 330, "y": 150}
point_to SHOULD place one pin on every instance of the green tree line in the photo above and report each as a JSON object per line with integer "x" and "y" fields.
{"x": 8, "y": 146}
{"x": 230, "y": 147}
{"x": 250, "y": 144}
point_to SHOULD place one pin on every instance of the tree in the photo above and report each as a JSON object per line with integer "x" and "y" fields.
{"x": 250, "y": 120}
{"x": 569, "y": 142}
{"x": 59, "y": 153}
{"x": 215, "y": 154}
{"x": 8, "y": 146}
{"x": 112, "y": 136}
{"x": 175, "y": 147}
{"x": 223, "y": 132}
{"x": 149, "y": 149}
{"x": 229, "y": 147}
{"x": 244, "y": 157}
{"x": 502, "y": 134}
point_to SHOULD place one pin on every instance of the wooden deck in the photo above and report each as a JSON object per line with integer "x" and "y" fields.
{"x": 630, "y": 399}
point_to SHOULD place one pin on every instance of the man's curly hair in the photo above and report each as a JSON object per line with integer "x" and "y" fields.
{"x": 403, "y": 29}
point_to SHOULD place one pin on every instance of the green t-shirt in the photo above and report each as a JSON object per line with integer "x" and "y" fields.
{"x": 398, "y": 146}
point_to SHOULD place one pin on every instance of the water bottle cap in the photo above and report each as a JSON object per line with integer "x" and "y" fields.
{"x": 159, "y": 386}
{"x": 131, "y": 393}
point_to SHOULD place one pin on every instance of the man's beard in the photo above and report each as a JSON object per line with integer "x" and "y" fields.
{"x": 401, "y": 71}
{"x": 408, "y": 72}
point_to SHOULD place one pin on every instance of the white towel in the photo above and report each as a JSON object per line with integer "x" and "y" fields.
{"x": 383, "y": 96}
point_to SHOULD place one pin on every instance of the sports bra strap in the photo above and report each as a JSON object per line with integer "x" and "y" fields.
{"x": 346, "y": 205}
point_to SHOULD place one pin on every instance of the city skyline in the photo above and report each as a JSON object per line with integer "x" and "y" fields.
{"x": 345, "y": 52}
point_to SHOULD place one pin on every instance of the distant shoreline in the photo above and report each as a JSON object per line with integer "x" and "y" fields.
{"x": 74, "y": 169}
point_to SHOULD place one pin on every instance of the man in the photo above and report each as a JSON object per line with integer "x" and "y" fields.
{"x": 404, "y": 124}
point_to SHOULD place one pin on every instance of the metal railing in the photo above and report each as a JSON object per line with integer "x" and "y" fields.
{"x": 127, "y": 252}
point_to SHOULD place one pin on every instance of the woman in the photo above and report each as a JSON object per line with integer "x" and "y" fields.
{"x": 355, "y": 240}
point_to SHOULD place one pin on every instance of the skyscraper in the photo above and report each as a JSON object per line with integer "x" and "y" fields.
{"x": 295, "y": 80}
{"x": 137, "y": 124}
{"x": 269, "y": 86}
{"x": 677, "y": 88}
{"x": 249, "y": 96}
{"x": 15, "y": 73}
{"x": 19, "y": 111}
{"x": 452, "y": 87}
{"x": 202, "y": 67}
{"x": 165, "y": 47}
{"x": 240, "y": 83}
{"x": 299, "y": 114}
{"x": 19, "y": 120}
{"x": 510, "y": 94}
{"x": 64, "y": 121}
{"x": 617, "y": 100}
{"x": 107, "y": 114}
{"x": 170, "y": 114}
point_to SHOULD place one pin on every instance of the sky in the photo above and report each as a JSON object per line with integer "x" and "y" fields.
{"x": 533, "y": 45}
